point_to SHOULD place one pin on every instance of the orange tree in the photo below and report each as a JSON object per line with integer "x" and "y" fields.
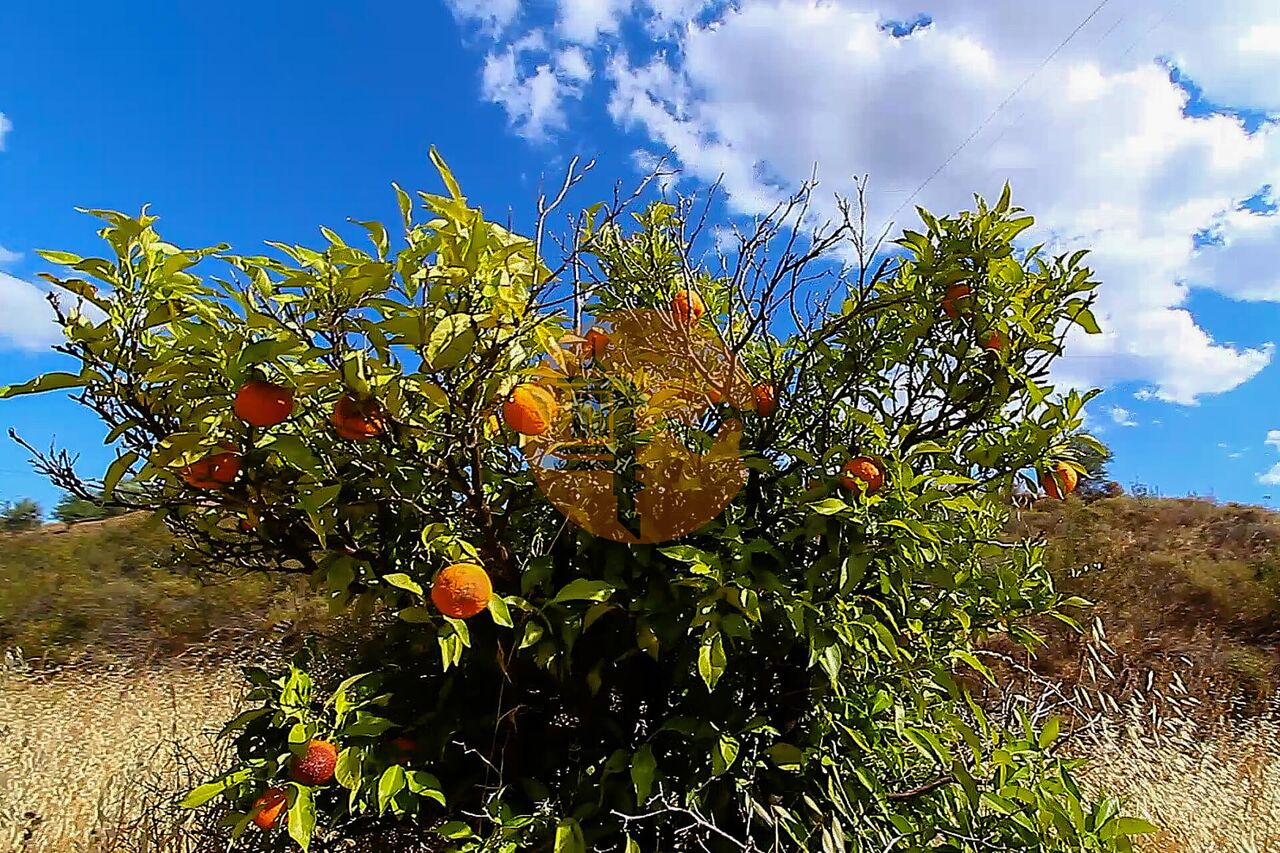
{"x": 791, "y": 675}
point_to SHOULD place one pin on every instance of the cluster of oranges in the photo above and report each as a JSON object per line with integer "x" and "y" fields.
{"x": 461, "y": 591}
{"x": 531, "y": 409}
{"x": 315, "y": 766}
{"x": 955, "y": 303}
{"x": 264, "y": 404}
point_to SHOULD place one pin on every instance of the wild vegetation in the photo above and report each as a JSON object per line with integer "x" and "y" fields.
{"x": 402, "y": 427}
{"x": 139, "y": 729}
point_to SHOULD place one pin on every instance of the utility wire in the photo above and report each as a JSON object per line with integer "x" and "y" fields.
{"x": 998, "y": 108}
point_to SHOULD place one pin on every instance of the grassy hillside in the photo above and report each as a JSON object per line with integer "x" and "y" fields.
{"x": 1181, "y": 586}
{"x": 1184, "y": 586}
{"x": 111, "y": 586}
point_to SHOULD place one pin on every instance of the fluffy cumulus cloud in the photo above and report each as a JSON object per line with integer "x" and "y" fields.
{"x": 8, "y": 256}
{"x": 938, "y": 99}
{"x": 532, "y": 82}
{"x": 1242, "y": 261}
{"x": 26, "y": 319}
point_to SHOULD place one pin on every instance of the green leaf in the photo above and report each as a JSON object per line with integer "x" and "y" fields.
{"x": 393, "y": 781}
{"x": 378, "y": 234}
{"x": 830, "y": 506}
{"x": 786, "y": 756}
{"x": 349, "y": 771}
{"x": 1133, "y": 826}
{"x": 450, "y": 341}
{"x": 242, "y": 720}
{"x": 569, "y": 837}
{"x": 499, "y": 611}
{"x": 1049, "y": 733}
{"x": 367, "y": 725}
{"x": 47, "y": 382}
{"x": 445, "y": 174}
{"x": 405, "y": 203}
{"x": 632, "y": 846}
{"x": 711, "y": 660}
{"x": 582, "y": 589}
{"x": 302, "y": 816}
{"x": 643, "y": 766}
{"x": 455, "y": 830}
{"x": 687, "y": 554}
{"x": 65, "y": 259}
{"x": 724, "y": 754}
{"x": 977, "y": 665}
{"x": 116, "y": 472}
{"x": 403, "y": 581}
{"x": 1084, "y": 319}
{"x": 203, "y": 794}
{"x": 424, "y": 784}
{"x": 418, "y": 615}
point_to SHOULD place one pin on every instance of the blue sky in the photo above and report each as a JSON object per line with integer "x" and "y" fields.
{"x": 266, "y": 120}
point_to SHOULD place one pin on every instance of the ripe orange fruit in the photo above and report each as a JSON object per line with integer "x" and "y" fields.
{"x": 687, "y": 305}
{"x": 272, "y": 804}
{"x": 597, "y": 341}
{"x": 766, "y": 400}
{"x": 1066, "y": 473}
{"x": 530, "y": 409}
{"x": 461, "y": 590}
{"x": 358, "y": 420}
{"x": 865, "y": 472}
{"x": 994, "y": 341}
{"x": 715, "y": 395}
{"x": 215, "y": 471}
{"x": 263, "y": 404}
{"x": 954, "y": 294}
{"x": 315, "y": 766}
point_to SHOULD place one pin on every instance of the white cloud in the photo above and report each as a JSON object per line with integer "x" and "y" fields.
{"x": 584, "y": 21}
{"x": 26, "y": 318}
{"x": 532, "y": 85}
{"x": 495, "y": 15}
{"x": 8, "y": 256}
{"x": 1242, "y": 264}
{"x": 1122, "y": 416}
{"x": 572, "y": 61}
{"x": 5, "y": 127}
{"x": 1096, "y": 145}
{"x": 1271, "y": 477}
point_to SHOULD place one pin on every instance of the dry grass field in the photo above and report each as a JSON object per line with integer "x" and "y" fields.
{"x": 93, "y": 761}
{"x": 90, "y": 760}
{"x": 93, "y": 754}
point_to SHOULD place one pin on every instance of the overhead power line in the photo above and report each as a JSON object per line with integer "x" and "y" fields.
{"x": 999, "y": 107}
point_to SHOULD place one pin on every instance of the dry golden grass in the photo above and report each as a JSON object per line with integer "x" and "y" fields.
{"x": 90, "y": 760}
{"x": 93, "y": 761}
{"x": 1213, "y": 788}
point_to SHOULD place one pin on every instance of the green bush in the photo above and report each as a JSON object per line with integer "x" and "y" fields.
{"x": 782, "y": 678}
{"x": 20, "y": 515}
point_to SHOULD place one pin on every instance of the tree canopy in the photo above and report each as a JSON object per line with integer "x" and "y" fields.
{"x": 792, "y": 674}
